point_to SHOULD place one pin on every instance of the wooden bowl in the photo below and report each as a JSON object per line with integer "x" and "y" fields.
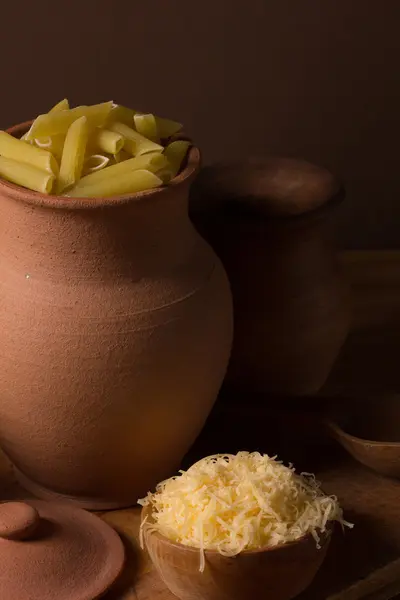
{"x": 278, "y": 573}
{"x": 369, "y": 429}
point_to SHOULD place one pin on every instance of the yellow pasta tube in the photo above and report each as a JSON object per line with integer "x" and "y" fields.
{"x": 175, "y": 153}
{"x": 26, "y": 175}
{"x": 73, "y": 154}
{"x": 146, "y": 125}
{"x": 62, "y": 105}
{"x": 59, "y": 122}
{"x": 121, "y": 114}
{"x": 166, "y": 127}
{"x": 107, "y": 141}
{"x": 134, "y": 142}
{"x": 149, "y": 162}
{"x": 128, "y": 183}
{"x": 11, "y": 147}
{"x": 121, "y": 156}
{"x": 54, "y": 144}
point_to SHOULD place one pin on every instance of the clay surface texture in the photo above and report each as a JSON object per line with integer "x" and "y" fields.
{"x": 116, "y": 324}
{"x": 69, "y": 555}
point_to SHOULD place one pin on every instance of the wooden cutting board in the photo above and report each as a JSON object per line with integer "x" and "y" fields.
{"x": 363, "y": 563}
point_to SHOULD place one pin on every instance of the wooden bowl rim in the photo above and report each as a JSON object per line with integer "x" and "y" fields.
{"x": 338, "y": 431}
{"x": 146, "y": 511}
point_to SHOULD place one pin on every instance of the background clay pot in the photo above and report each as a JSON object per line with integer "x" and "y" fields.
{"x": 266, "y": 220}
{"x": 116, "y": 327}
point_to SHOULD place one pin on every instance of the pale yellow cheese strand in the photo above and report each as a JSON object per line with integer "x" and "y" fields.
{"x": 230, "y": 503}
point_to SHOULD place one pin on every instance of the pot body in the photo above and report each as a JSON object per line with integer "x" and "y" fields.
{"x": 291, "y": 303}
{"x": 116, "y": 328}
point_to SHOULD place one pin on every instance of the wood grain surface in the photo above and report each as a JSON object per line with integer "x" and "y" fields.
{"x": 363, "y": 563}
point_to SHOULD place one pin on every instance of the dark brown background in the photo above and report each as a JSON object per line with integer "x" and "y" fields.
{"x": 314, "y": 78}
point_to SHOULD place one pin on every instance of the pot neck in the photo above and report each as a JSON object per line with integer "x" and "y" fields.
{"x": 129, "y": 240}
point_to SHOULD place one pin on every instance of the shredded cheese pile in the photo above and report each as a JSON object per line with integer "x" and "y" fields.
{"x": 232, "y": 503}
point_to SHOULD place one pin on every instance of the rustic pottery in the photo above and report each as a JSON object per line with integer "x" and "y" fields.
{"x": 278, "y": 573}
{"x": 50, "y": 551}
{"x": 116, "y": 328}
{"x": 369, "y": 429}
{"x": 267, "y": 220}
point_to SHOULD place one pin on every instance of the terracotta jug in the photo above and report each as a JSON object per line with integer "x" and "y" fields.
{"x": 267, "y": 220}
{"x": 116, "y": 329}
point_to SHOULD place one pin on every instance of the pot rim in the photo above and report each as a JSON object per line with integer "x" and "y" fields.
{"x": 236, "y": 208}
{"x": 28, "y": 196}
{"x": 339, "y": 433}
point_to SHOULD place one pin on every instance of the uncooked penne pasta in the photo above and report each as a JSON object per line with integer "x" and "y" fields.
{"x": 146, "y": 125}
{"x": 59, "y": 122}
{"x": 11, "y": 147}
{"x": 73, "y": 154}
{"x": 135, "y": 143}
{"x": 94, "y": 163}
{"x": 62, "y": 105}
{"x": 107, "y": 141}
{"x": 121, "y": 114}
{"x": 149, "y": 162}
{"x": 129, "y": 183}
{"x": 175, "y": 152}
{"x": 26, "y": 175}
{"x": 166, "y": 127}
{"x": 121, "y": 156}
{"x": 54, "y": 144}
{"x": 95, "y": 150}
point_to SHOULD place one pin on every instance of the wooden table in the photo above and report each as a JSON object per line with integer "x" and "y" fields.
{"x": 368, "y": 559}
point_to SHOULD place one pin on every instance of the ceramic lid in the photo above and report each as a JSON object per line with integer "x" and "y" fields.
{"x": 55, "y": 551}
{"x": 269, "y": 186}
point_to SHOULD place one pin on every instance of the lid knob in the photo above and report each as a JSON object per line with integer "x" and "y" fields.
{"x": 18, "y": 520}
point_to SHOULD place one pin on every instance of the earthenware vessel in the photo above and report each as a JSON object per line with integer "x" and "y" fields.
{"x": 268, "y": 220}
{"x": 50, "y": 550}
{"x": 278, "y": 573}
{"x": 116, "y": 328}
{"x": 369, "y": 430}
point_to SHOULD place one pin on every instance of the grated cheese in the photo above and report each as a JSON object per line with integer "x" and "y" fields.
{"x": 232, "y": 503}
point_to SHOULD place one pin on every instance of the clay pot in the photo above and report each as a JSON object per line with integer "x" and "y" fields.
{"x": 116, "y": 328}
{"x": 267, "y": 219}
{"x": 277, "y": 573}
